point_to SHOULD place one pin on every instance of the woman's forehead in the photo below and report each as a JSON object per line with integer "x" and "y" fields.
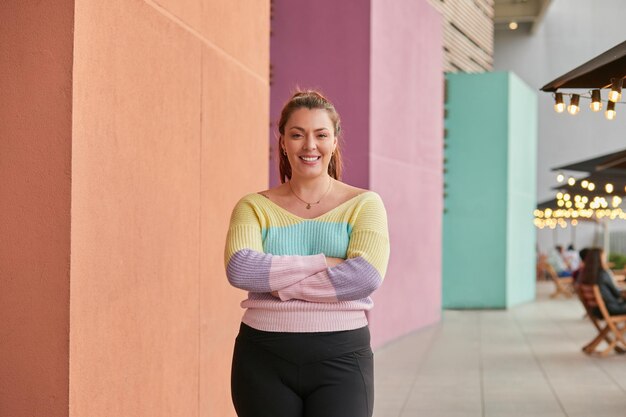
{"x": 307, "y": 118}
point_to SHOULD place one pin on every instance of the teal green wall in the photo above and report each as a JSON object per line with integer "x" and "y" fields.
{"x": 522, "y": 193}
{"x": 490, "y": 162}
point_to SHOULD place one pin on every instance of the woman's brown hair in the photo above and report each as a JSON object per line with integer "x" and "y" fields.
{"x": 309, "y": 99}
{"x": 593, "y": 267}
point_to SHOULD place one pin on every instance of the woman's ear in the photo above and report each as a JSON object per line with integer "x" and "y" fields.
{"x": 281, "y": 145}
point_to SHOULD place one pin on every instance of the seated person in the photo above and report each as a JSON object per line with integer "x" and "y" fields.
{"x": 558, "y": 262}
{"x": 572, "y": 258}
{"x": 576, "y": 273}
{"x": 596, "y": 272}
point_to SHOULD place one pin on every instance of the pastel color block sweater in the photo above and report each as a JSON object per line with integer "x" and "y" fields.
{"x": 270, "y": 249}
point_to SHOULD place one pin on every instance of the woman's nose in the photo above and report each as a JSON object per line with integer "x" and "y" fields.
{"x": 309, "y": 142}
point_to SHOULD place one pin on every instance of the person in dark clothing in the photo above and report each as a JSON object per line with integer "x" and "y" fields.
{"x": 595, "y": 272}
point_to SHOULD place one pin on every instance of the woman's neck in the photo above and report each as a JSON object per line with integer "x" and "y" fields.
{"x": 310, "y": 188}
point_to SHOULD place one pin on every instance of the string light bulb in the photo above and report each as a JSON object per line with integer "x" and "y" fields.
{"x": 616, "y": 90}
{"x": 571, "y": 181}
{"x": 584, "y": 183}
{"x": 596, "y": 101}
{"x": 559, "y": 105}
{"x": 574, "y": 107}
{"x": 610, "y": 111}
{"x": 591, "y": 186}
{"x": 609, "y": 188}
{"x": 560, "y": 177}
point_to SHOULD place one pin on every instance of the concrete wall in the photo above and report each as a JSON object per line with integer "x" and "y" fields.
{"x": 35, "y": 158}
{"x": 324, "y": 45}
{"x": 406, "y": 161}
{"x": 488, "y": 240}
{"x": 169, "y": 130}
{"x": 573, "y": 31}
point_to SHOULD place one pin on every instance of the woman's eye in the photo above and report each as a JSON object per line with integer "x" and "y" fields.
{"x": 323, "y": 135}
{"x": 296, "y": 135}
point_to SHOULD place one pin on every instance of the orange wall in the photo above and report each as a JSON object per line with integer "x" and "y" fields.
{"x": 169, "y": 130}
{"x": 35, "y": 154}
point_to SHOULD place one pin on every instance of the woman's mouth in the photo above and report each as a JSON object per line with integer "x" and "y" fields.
{"x": 310, "y": 159}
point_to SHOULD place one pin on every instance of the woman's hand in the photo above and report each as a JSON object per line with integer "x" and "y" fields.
{"x": 333, "y": 261}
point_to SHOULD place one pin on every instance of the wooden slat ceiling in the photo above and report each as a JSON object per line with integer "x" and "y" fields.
{"x": 467, "y": 33}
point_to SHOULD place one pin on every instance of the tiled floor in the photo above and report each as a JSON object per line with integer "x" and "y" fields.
{"x": 522, "y": 362}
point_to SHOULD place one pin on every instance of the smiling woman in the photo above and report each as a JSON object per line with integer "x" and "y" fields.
{"x": 309, "y": 252}
{"x": 305, "y": 107}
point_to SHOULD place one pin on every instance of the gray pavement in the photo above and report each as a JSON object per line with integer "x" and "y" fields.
{"x": 525, "y": 361}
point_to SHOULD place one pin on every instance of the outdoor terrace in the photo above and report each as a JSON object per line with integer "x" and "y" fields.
{"x": 525, "y": 361}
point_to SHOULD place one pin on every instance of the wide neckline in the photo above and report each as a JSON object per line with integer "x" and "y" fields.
{"x": 284, "y": 210}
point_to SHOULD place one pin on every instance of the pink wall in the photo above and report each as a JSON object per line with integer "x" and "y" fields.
{"x": 171, "y": 103}
{"x": 35, "y": 175}
{"x": 324, "y": 44}
{"x": 406, "y": 161}
{"x": 382, "y": 64}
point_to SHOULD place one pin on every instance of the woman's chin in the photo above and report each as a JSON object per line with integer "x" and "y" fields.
{"x": 308, "y": 172}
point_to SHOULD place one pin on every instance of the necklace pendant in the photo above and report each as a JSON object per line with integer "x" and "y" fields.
{"x": 308, "y": 206}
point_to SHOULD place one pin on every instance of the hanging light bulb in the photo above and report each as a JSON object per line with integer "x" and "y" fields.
{"x": 560, "y": 177}
{"x": 610, "y": 111}
{"x": 513, "y": 25}
{"x": 584, "y": 183}
{"x": 591, "y": 186}
{"x": 559, "y": 105}
{"x": 571, "y": 181}
{"x": 616, "y": 90}
{"x": 596, "y": 100}
{"x": 573, "y": 107}
{"x": 616, "y": 201}
{"x": 609, "y": 188}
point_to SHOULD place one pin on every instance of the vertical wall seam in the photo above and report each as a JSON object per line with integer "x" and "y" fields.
{"x": 507, "y": 188}
{"x": 199, "y": 275}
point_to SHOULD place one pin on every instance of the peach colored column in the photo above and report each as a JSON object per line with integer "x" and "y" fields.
{"x": 170, "y": 118}
{"x": 35, "y": 154}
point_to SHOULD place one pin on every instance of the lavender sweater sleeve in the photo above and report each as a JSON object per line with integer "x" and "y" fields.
{"x": 249, "y": 268}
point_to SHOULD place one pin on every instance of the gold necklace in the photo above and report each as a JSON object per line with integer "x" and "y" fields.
{"x": 308, "y": 205}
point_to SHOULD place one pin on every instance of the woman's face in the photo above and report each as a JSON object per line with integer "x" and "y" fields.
{"x": 309, "y": 141}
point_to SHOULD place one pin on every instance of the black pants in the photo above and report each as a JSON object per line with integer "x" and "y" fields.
{"x": 328, "y": 374}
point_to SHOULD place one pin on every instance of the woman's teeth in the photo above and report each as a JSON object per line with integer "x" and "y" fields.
{"x": 310, "y": 158}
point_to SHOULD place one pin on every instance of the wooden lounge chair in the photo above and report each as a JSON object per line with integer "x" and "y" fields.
{"x": 610, "y": 328}
{"x": 564, "y": 286}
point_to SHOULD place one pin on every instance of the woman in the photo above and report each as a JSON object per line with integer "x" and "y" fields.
{"x": 595, "y": 272}
{"x": 310, "y": 252}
